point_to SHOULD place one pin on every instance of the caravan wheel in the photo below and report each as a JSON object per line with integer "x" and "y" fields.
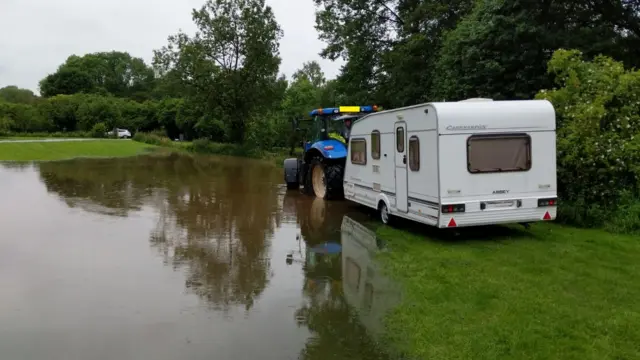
{"x": 385, "y": 216}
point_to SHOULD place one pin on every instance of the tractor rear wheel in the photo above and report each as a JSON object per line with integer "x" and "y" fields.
{"x": 325, "y": 178}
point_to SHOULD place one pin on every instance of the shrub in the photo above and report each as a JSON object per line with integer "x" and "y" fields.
{"x": 99, "y": 130}
{"x": 153, "y": 139}
{"x": 96, "y": 109}
{"x": 5, "y": 125}
{"x": 598, "y": 112}
{"x": 206, "y": 146}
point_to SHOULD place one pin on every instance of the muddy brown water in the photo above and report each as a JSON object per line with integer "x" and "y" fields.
{"x": 175, "y": 257}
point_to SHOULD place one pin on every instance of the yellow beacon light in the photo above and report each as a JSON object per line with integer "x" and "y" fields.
{"x": 349, "y": 109}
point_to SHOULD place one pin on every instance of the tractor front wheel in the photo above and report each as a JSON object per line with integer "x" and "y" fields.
{"x": 325, "y": 178}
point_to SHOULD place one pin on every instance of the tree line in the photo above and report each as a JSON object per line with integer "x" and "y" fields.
{"x": 223, "y": 82}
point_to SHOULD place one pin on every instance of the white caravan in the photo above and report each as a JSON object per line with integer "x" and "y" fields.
{"x": 454, "y": 164}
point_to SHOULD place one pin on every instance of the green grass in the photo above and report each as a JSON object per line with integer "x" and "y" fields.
{"x": 551, "y": 292}
{"x": 71, "y": 149}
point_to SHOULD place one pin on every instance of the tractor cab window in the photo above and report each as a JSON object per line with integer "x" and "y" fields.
{"x": 324, "y": 128}
{"x": 327, "y": 127}
{"x": 337, "y": 130}
{"x": 317, "y": 129}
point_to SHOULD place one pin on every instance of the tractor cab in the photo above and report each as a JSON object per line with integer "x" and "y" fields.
{"x": 320, "y": 170}
{"x": 334, "y": 123}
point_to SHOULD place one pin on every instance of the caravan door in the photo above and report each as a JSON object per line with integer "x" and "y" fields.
{"x": 402, "y": 200}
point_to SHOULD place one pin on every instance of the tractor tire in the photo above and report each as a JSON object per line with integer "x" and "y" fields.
{"x": 325, "y": 179}
{"x": 305, "y": 180}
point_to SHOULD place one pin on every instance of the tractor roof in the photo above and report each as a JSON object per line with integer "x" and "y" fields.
{"x": 343, "y": 110}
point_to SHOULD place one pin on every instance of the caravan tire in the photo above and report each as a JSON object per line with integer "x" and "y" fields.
{"x": 385, "y": 215}
{"x": 325, "y": 179}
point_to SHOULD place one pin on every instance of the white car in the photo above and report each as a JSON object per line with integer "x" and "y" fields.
{"x": 122, "y": 133}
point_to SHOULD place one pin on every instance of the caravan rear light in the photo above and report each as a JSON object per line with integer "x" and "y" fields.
{"x": 548, "y": 202}
{"x": 453, "y": 208}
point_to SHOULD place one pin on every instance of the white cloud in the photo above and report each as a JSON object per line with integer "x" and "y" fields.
{"x": 36, "y": 36}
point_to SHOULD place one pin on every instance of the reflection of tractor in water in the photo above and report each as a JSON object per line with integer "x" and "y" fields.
{"x": 319, "y": 220}
{"x": 319, "y": 239}
{"x": 321, "y": 169}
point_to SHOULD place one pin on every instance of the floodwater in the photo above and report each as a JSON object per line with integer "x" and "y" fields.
{"x": 175, "y": 257}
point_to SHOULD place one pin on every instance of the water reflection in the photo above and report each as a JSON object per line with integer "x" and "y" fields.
{"x": 365, "y": 286}
{"x": 224, "y": 225}
{"x": 345, "y": 294}
{"x": 215, "y": 218}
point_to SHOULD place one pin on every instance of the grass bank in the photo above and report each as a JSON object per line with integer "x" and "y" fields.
{"x": 551, "y": 292}
{"x": 45, "y": 135}
{"x": 32, "y": 151}
{"x": 203, "y": 146}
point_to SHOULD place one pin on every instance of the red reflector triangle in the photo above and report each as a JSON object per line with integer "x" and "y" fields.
{"x": 546, "y": 216}
{"x": 452, "y": 223}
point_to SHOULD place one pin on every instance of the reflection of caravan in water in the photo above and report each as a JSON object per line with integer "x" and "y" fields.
{"x": 364, "y": 286}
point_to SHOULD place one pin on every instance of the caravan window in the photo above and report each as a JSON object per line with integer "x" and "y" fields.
{"x": 375, "y": 144}
{"x": 414, "y": 153}
{"x": 400, "y": 139}
{"x": 498, "y": 153}
{"x": 358, "y": 151}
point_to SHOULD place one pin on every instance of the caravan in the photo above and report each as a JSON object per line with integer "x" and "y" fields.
{"x": 454, "y": 164}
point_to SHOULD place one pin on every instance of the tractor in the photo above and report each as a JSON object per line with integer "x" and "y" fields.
{"x": 320, "y": 169}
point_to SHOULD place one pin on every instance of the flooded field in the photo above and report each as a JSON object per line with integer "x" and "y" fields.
{"x": 172, "y": 257}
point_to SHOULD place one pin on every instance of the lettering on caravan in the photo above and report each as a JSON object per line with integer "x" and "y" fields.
{"x": 466, "y": 127}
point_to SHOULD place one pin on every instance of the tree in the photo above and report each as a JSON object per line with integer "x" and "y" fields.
{"x": 312, "y": 72}
{"x": 410, "y": 65}
{"x": 14, "y": 94}
{"x": 66, "y": 81}
{"x": 361, "y": 32}
{"x": 390, "y": 46}
{"x": 61, "y": 111}
{"x": 22, "y": 118}
{"x": 115, "y": 73}
{"x": 235, "y": 52}
{"x": 98, "y": 109}
{"x": 502, "y": 48}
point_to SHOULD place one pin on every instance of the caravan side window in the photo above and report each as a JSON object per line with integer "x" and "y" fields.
{"x": 375, "y": 144}
{"x": 498, "y": 153}
{"x": 400, "y": 139}
{"x": 358, "y": 151}
{"x": 414, "y": 153}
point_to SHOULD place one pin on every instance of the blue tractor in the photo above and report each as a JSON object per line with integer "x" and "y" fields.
{"x": 320, "y": 170}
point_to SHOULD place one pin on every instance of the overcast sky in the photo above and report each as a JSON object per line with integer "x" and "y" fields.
{"x": 36, "y": 36}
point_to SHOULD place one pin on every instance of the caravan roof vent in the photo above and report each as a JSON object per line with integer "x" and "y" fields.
{"x": 476, "y": 99}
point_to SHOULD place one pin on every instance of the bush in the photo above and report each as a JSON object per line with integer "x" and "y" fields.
{"x": 23, "y": 118}
{"x": 598, "y": 114}
{"x": 5, "y": 125}
{"x": 206, "y": 146}
{"x": 268, "y": 131}
{"x": 99, "y": 130}
{"x": 153, "y": 139}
